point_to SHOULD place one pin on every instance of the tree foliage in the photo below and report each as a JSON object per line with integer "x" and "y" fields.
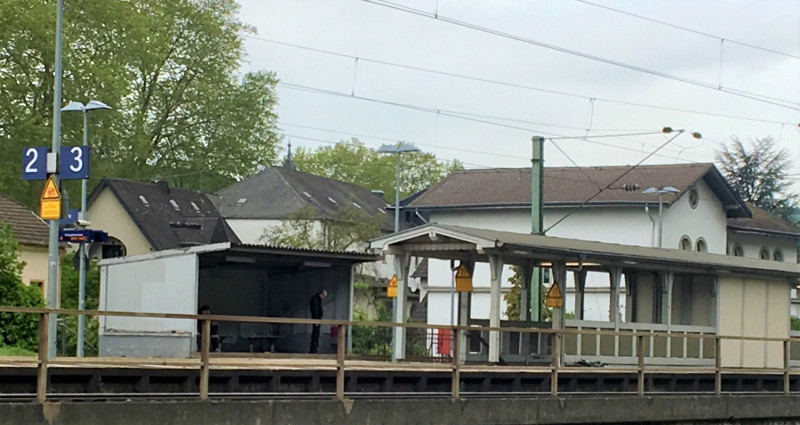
{"x": 512, "y": 298}
{"x": 70, "y": 280}
{"x": 167, "y": 68}
{"x": 306, "y": 229}
{"x": 759, "y": 174}
{"x": 16, "y": 329}
{"x": 352, "y": 162}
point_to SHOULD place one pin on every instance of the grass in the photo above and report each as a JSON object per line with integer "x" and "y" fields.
{"x": 15, "y": 351}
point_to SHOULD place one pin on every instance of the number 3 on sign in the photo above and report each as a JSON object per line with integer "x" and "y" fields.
{"x": 75, "y": 162}
{"x": 34, "y": 163}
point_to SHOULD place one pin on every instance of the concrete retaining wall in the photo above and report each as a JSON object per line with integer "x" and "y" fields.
{"x": 665, "y": 409}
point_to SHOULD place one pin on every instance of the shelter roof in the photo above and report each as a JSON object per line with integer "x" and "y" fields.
{"x": 456, "y": 242}
{"x": 277, "y": 192}
{"x": 570, "y": 186}
{"x": 169, "y": 217}
{"x": 763, "y": 222}
{"x": 256, "y": 255}
{"x": 26, "y": 226}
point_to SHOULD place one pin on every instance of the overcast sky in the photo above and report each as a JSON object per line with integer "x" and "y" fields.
{"x": 327, "y": 97}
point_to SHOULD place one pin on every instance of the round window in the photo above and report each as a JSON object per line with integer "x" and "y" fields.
{"x": 694, "y": 198}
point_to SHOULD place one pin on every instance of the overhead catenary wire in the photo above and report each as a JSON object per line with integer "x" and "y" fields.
{"x": 516, "y": 85}
{"x": 783, "y": 103}
{"x": 586, "y": 202}
{"x": 691, "y": 30}
{"x": 472, "y": 118}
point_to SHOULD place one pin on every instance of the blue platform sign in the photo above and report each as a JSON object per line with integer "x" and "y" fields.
{"x": 75, "y": 162}
{"x": 34, "y": 163}
{"x": 82, "y": 235}
{"x": 70, "y": 219}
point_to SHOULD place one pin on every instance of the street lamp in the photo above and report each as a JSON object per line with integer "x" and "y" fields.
{"x": 77, "y": 106}
{"x": 398, "y": 304}
{"x": 660, "y": 191}
{"x": 399, "y": 148}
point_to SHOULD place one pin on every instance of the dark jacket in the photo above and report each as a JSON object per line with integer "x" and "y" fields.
{"x": 315, "y": 305}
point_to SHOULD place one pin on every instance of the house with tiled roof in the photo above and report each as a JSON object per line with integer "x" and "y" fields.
{"x": 142, "y": 217}
{"x": 264, "y": 200}
{"x": 606, "y": 204}
{"x": 32, "y": 233}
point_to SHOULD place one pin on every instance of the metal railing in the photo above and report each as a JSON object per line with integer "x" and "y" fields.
{"x": 454, "y": 363}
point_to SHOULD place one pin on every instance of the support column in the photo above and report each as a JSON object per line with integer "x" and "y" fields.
{"x": 402, "y": 262}
{"x": 580, "y": 292}
{"x": 666, "y": 298}
{"x": 526, "y": 274}
{"x": 630, "y": 298}
{"x": 496, "y": 273}
{"x": 615, "y": 275}
{"x": 464, "y": 313}
{"x": 559, "y": 275}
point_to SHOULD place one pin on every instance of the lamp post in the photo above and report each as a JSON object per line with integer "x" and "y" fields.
{"x": 399, "y": 148}
{"x": 82, "y": 219}
{"x": 660, "y": 191}
{"x": 398, "y": 305}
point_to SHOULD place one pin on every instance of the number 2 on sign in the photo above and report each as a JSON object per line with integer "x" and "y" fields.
{"x": 33, "y": 154}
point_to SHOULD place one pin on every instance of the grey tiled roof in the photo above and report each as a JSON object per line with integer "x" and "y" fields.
{"x": 152, "y": 207}
{"x": 26, "y": 226}
{"x": 764, "y": 222}
{"x": 277, "y": 192}
{"x": 568, "y": 186}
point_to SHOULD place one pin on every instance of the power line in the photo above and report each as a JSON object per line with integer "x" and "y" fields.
{"x": 515, "y": 85}
{"x": 784, "y": 103}
{"x": 584, "y": 203}
{"x": 693, "y": 31}
{"x": 456, "y": 115}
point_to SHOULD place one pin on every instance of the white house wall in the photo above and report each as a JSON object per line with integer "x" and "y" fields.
{"x": 752, "y": 245}
{"x": 708, "y": 221}
{"x": 251, "y": 231}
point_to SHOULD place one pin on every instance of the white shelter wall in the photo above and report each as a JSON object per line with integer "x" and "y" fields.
{"x": 162, "y": 285}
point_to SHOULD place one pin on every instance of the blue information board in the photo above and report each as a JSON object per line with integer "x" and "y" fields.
{"x": 75, "y": 162}
{"x": 34, "y": 163}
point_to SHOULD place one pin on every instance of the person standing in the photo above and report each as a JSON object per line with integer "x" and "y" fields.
{"x": 315, "y": 305}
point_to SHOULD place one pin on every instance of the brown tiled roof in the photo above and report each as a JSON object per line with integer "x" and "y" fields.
{"x": 27, "y": 227}
{"x": 565, "y": 186}
{"x": 763, "y": 222}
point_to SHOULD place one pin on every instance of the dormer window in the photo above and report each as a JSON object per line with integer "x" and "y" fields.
{"x": 174, "y": 205}
{"x": 240, "y": 202}
{"x": 356, "y": 205}
{"x": 332, "y": 200}
{"x": 195, "y": 207}
{"x": 382, "y": 210}
{"x": 308, "y": 195}
{"x": 144, "y": 201}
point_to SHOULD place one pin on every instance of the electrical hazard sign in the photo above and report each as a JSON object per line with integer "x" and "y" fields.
{"x": 463, "y": 279}
{"x": 554, "y": 297}
{"x": 50, "y": 202}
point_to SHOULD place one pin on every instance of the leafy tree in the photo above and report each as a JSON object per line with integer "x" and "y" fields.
{"x": 305, "y": 228}
{"x": 512, "y": 297}
{"x": 169, "y": 70}
{"x": 70, "y": 280}
{"x": 16, "y": 329}
{"x": 760, "y": 175}
{"x": 352, "y": 162}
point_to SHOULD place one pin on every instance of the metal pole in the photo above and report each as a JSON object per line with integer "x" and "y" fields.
{"x": 396, "y": 229}
{"x": 537, "y": 223}
{"x": 660, "y": 218}
{"x": 82, "y": 248}
{"x": 52, "y": 269}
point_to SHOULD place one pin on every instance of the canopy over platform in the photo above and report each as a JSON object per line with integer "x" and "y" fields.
{"x": 710, "y": 290}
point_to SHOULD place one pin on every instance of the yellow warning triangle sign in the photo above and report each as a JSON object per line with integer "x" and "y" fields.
{"x": 553, "y": 297}
{"x": 51, "y": 190}
{"x": 463, "y": 273}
